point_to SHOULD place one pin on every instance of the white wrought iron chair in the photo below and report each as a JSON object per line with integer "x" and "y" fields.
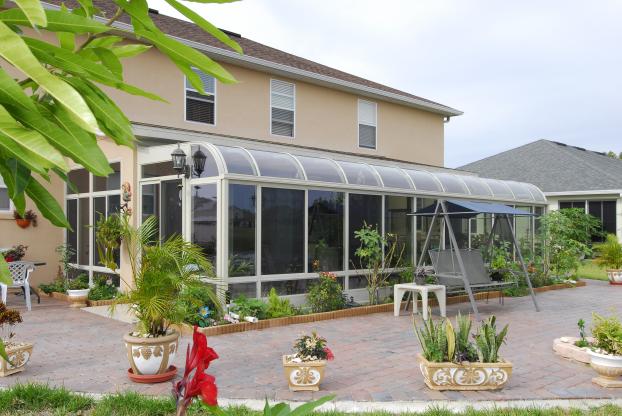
{"x": 20, "y": 272}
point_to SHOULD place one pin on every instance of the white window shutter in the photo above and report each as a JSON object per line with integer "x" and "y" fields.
{"x": 367, "y": 115}
{"x": 283, "y": 107}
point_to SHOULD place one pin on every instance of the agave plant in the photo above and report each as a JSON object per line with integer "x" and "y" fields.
{"x": 488, "y": 341}
{"x": 161, "y": 272}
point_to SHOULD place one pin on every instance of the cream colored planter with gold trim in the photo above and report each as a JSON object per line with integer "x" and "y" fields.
{"x": 149, "y": 356}
{"x": 19, "y": 353}
{"x": 303, "y": 376}
{"x": 465, "y": 376}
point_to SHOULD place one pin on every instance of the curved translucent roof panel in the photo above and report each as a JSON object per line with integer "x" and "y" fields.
{"x": 320, "y": 169}
{"x": 237, "y": 160}
{"x": 476, "y": 185}
{"x": 424, "y": 181}
{"x": 275, "y": 164}
{"x": 359, "y": 173}
{"x": 393, "y": 177}
{"x": 368, "y": 173}
{"x": 452, "y": 183}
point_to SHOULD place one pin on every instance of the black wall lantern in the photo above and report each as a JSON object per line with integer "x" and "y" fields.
{"x": 182, "y": 168}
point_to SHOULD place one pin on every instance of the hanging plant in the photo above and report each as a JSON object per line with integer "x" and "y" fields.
{"x": 24, "y": 221}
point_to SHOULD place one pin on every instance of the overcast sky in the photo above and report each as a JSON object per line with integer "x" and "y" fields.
{"x": 520, "y": 70}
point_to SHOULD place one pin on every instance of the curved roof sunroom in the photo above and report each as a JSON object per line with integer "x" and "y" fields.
{"x": 240, "y": 161}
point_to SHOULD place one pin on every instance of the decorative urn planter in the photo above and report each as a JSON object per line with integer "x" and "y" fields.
{"x": 22, "y": 222}
{"x": 615, "y": 276}
{"x": 608, "y": 367}
{"x": 19, "y": 353}
{"x": 465, "y": 376}
{"x": 149, "y": 356}
{"x": 303, "y": 375}
{"x": 78, "y": 297}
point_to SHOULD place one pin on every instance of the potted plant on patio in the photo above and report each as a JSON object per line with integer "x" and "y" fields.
{"x": 15, "y": 253}
{"x": 611, "y": 257}
{"x": 78, "y": 290}
{"x": 13, "y": 355}
{"x": 606, "y": 351}
{"x": 304, "y": 369}
{"x": 162, "y": 272}
{"x": 450, "y": 361}
{"x": 24, "y": 221}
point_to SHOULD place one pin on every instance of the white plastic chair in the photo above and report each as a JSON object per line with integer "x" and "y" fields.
{"x": 20, "y": 272}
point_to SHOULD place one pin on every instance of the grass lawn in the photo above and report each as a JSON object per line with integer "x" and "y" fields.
{"x": 589, "y": 270}
{"x": 37, "y": 400}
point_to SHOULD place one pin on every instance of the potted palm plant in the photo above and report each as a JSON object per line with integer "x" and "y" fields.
{"x": 606, "y": 351}
{"x": 611, "y": 258}
{"x": 450, "y": 361}
{"x": 13, "y": 355}
{"x": 162, "y": 273}
{"x": 304, "y": 369}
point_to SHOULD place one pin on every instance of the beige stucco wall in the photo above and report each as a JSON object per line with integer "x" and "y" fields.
{"x": 325, "y": 118}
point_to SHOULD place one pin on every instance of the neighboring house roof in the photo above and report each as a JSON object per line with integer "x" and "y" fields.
{"x": 278, "y": 61}
{"x": 553, "y": 167}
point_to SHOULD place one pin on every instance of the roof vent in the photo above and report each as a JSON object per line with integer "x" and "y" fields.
{"x": 230, "y": 33}
{"x": 153, "y": 11}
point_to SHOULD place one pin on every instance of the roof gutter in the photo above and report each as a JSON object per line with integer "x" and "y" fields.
{"x": 616, "y": 192}
{"x": 253, "y": 62}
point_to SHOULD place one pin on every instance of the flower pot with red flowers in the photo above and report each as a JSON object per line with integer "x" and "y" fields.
{"x": 24, "y": 221}
{"x": 304, "y": 370}
{"x": 14, "y": 355}
{"x": 162, "y": 280}
{"x": 15, "y": 253}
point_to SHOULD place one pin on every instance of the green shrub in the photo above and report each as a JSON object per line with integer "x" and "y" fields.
{"x": 199, "y": 306}
{"x": 244, "y": 307}
{"x": 610, "y": 253}
{"x": 79, "y": 282}
{"x": 326, "y": 294}
{"x": 278, "y": 307}
{"x": 58, "y": 285}
{"x": 607, "y": 333}
{"x": 103, "y": 289}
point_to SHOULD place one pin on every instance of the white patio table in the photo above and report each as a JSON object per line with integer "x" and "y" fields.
{"x": 400, "y": 289}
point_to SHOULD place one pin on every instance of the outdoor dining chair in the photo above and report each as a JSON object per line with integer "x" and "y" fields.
{"x": 20, "y": 273}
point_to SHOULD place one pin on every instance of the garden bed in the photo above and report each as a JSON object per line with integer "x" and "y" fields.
{"x": 65, "y": 298}
{"x": 345, "y": 313}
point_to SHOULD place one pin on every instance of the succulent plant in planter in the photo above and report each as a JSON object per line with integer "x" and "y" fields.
{"x": 451, "y": 362}
{"x": 13, "y": 355}
{"x": 610, "y": 257}
{"x": 304, "y": 369}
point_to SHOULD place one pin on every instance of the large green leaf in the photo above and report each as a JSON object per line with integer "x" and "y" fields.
{"x": 68, "y": 138}
{"x": 110, "y": 61}
{"x": 104, "y": 41}
{"x": 128, "y": 51}
{"x": 46, "y": 203}
{"x": 33, "y": 9}
{"x": 213, "y": 1}
{"x": 15, "y": 182}
{"x": 205, "y": 25}
{"x": 14, "y": 50}
{"x": 12, "y": 93}
{"x": 31, "y": 160}
{"x": 57, "y": 21}
{"x": 31, "y": 140}
{"x": 112, "y": 120}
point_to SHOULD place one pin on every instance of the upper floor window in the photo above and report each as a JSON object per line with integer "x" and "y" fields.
{"x": 282, "y": 108}
{"x": 367, "y": 124}
{"x": 5, "y": 201}
{"x": 201, "y": 108}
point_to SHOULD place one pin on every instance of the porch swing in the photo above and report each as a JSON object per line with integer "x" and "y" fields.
{"x": 463, "y": 270}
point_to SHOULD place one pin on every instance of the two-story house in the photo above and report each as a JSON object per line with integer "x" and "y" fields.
{"x": 284, "y": 166}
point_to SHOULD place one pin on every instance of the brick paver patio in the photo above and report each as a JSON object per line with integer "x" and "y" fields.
{"x": 375, "y": 354}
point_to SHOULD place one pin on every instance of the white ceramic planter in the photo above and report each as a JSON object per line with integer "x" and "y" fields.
{"x": 78, "y": 297}
{"x": 615, "y": 276}
{"x": 149, "y": 356}
{"x": 609, "y": 368}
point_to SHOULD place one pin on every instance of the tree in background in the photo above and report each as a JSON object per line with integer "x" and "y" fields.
{"x": 56, "y": 108}
{"x": 613, "y": 154}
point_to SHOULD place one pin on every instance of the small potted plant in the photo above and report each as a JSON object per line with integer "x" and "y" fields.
{"x": 304, "y": 369}
{"x": 450, "y": 361}
{"x": 16, "y": 354}
{"x": 606, "y": 352}
{"x": 24, "y": 221}
{"x": 15, "y": 253}
{"x": 611, "y": 258}
{"x": 78, "y": 290}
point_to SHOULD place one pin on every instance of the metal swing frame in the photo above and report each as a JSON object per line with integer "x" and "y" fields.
{"x": 441, "y": 213}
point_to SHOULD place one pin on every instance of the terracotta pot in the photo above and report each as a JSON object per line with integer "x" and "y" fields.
{"x": 150, "y": 356}
{"x": 465, "y": 376}
{"x": 303, "y": 376}
{"x": 609, "y": 368}
{"x": 615, "y": 276}
{"x": 78, "y": 297}
{"x": 23, "y": 223}
{"x": 19, "y": 354}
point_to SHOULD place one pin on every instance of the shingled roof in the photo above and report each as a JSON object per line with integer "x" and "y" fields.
{"x": 262, "y": 53}
{"x": 553, "y": 167}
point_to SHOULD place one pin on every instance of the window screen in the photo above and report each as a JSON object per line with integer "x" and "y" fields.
{"x": 5, "y": 202}
{"x": 367, "y": 124}
{"x": 201, "y": 108}
{"x": 282, "y": 108}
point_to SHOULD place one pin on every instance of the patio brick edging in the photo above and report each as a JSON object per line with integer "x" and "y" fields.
{"x": 345, "y": 313}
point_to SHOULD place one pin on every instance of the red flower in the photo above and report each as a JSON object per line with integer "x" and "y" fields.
{"x": 329, "y": 354}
